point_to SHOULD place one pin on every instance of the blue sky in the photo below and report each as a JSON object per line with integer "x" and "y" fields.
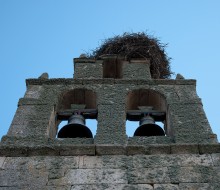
{"x": 45, "y": 35}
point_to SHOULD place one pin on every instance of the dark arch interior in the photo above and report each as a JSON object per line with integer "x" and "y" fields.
{"x": 76, "y": 129}
{"x": 145, "y": 97}
{"x": 78, "y": 96}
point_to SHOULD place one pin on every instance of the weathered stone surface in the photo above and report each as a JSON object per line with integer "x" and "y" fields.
{"x": 30, "y": 187}
{"x": 13, "y": 151}
{"x": 110, "y": 171}
{"x": 185, "y": 109}
{"x": 73, "y": 150}
{"x": 2, "y": 160}
{"x": 196, "y": 174}
{"x": 159, "y": 149}
{"x": 209, "y": 148}
{"x": 33, "y": 91}
{"x": 148, "y": 175}
{"x": 66, "y": 187}
{"x": 91, "y": 176}
{"x": 90, "y": 69}
{"x": 199, "y": 186}
{"x": 216, "y": 159}
{"x": 136, "y": 70}
{"x": 149, "y": 140}
{"x": 184, "y": 149}
{"x": 166, "y": 187}
{"x": 186, "y": 158}
{"x": 19, "y": 177}
{"x": 90, "y": 162}
{"x": 133, "y": 150}
{"x": 104, "y": 162}
{"x": 152, "y": 161}
{"x": 110, "y": 150}
{"x": 113, "y": 187}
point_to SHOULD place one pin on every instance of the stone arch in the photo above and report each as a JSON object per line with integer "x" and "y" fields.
{"x": 82, "y": 96}
{"x": 145, "y": 97}
{"x": 142, "y": 97}
{"x": 84, "y": 99}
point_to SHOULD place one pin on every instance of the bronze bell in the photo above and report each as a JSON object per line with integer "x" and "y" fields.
{"x": 148, "y": 128}
{"x": 75, "y": 128}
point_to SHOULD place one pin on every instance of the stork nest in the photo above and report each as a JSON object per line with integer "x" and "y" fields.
{"x": 138, "y": 45}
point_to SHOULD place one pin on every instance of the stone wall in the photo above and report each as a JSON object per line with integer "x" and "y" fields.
{"x": 119, "y": 172}
{"x": 32, "y": 157}
{"x": 36, "y": 114}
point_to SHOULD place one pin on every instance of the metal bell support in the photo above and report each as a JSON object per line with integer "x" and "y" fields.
{"x": 148, "y": 128}
{"x": 75, "y": 128}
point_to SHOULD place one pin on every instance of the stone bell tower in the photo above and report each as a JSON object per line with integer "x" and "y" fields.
{"x": 182, "y": 153}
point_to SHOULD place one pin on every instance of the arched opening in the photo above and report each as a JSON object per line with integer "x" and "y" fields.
{"x": 147, "y": 107}
{"x": 78, "y": 96}
{"x": 77, "y": 106}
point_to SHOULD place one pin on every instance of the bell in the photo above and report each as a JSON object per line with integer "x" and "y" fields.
{"x": 148, "y": 128}
{"x": 75, "y": 128}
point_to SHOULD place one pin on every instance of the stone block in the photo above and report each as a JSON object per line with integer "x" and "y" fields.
{"x": 145, "y": 82}
{"x": 29, "y": 177}
{"x": 141, "y": 140}
{"x": 110, "y": 150}
{"x": 159, "y": 149}
{"x": 60, "y": 162}
{"x": 37, "y": 128}
{"x": 78, "y": 81}
{"x": 73, "y": 150}
{"x": 42, "y": 151}
{"x": 202, "y": 138}
{"x": 110, "y": 186}
{"x": 83, "y": 60}
{"x": 136, "y": 70}
{"x": 2, "y": 160}
{"x": 194, "y": 160}
{"x": 33, "y": 91}
{"x": 116, "y": 162}
{"x": 135, "y": 149}
{"x": 64, "y": 187}
{"x": 216, "y": 159}
{"x": 91, "y": 82}
{"x": 199, "y": 186}
{"x": 25, "y": 163}
{"x": 88, "y": 70}
{"x": 153, "y": 161}
{"x": 166, "y": 187}
{"x": 90, "y": 162}
{"x": 24, "y": 187}
{"x": 184, "y": 149}
{"x": 209, "y": 148}
{"x": 183, "y": 160}
{"x": 148, "y": 175}
{"x": 72, "y": 141}
{"x": 91, "y": 176}
{"x": 104, "y": 162}
{"x": 10, "y": 151}
{"x": 29, "y": 101}
{"x": 126, "y": 82}
{"x": 195, "y": 174}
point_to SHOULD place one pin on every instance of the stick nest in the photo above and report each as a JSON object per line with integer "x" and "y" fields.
{"x": 138, "y": 45}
